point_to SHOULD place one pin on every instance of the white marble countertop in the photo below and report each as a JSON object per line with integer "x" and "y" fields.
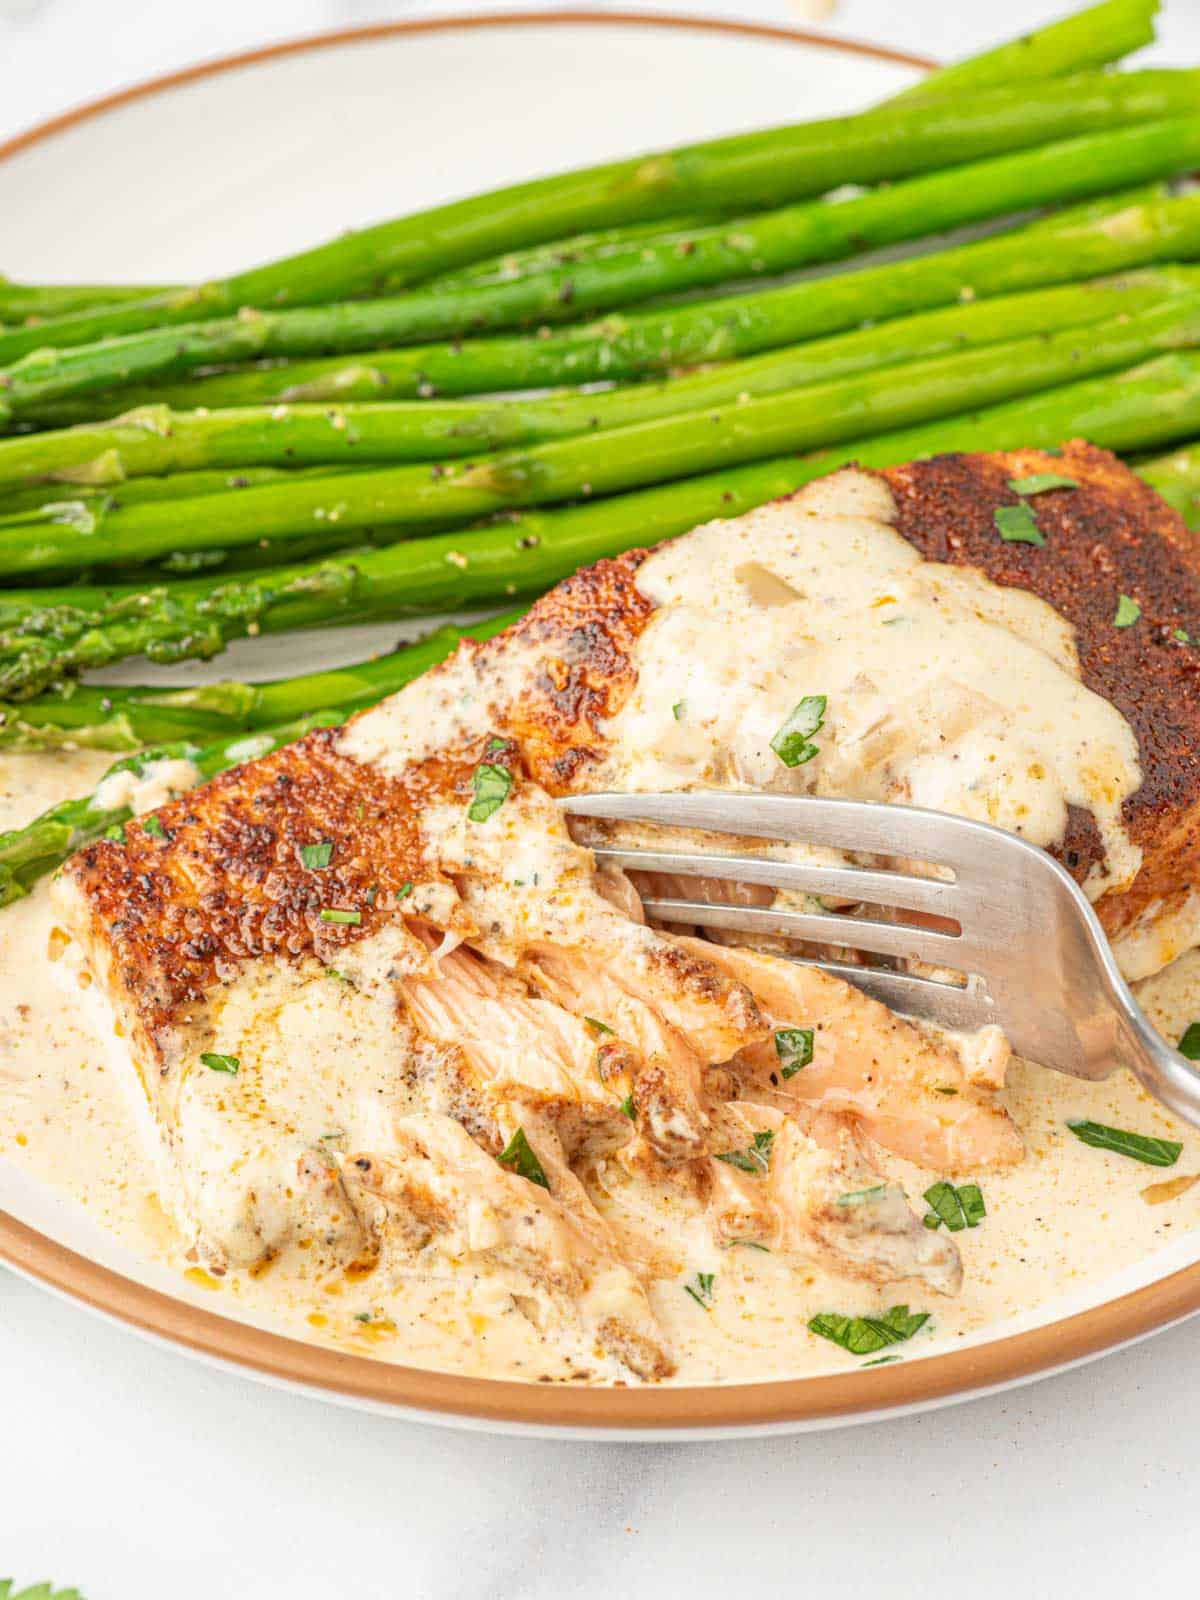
{"x": 138, "y": 1475}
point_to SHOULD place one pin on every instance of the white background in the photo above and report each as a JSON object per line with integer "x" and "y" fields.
{"x": 138, "y": 1475}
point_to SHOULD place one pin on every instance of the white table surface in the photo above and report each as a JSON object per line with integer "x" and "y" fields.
{"x": 138, "y": 1475}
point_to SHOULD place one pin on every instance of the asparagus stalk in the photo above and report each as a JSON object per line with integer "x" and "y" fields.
{"x": 28, "y": 302}
{"x": 123, "y": 717}
{"x": 746, "y": 170}
{"x": 47, "y": 634}
{"x": 1087, "y": 38}
{"x": 673, "y": 443}
{"x": 1104, "y": 237}
{"x": 153, "y": 439}
{"x": 1177, "y": 478}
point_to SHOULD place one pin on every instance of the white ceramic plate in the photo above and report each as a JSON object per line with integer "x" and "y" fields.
{"x": 241, "y": 161}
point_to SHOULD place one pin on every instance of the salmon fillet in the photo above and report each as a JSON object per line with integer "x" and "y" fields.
{"x": 405, "y": 891}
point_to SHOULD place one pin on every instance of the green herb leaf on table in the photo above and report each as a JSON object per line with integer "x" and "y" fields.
{"x": 792, "y": 742}
{"x": 1016, "y": 525}
{"x": 863, "y": 1336}
{"x": 491, "y": 784}
{"x": 219, "y": 1063}
{"x": 1137, "y": 1146}
{"x": 794, "y": 1047}
{"x": 518, "y": 1155}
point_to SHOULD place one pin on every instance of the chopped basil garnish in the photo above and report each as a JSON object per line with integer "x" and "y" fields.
{"x": 756, "y": 1157}
{"x": 794, "y": 1047}
{"x": 882, "y": 1361}
{"x": 702, "y": 1289}
{"x": 1189, "y": 1045}
{"x": 677, "y": 711}
{"x": 629, "y": 1107}
{"x": 958, "y": 1208}
{"x": 1128, "y": 611}
{"x": 597, "y": 1026}
{"x": 1183, "y": 636}
{"x": 793, "y": 741}
{"x": 863, "y": 1336}
{"x": 219, "y": 1063}
{"x": 316, "y": 856}
{"x": 117, "y": 832}
{"x": 1015, "y": 525}
{"x": 154, "y": 828}
{"x": 519, "y": 1157}
{"x": 1040, "y": 482}
{"x": 403, "y": 892}
{"x": 749, "y": 1244}
{"x": 862, "y": 1197}
{"x": 496, "y": 742}
{"x": 332, "y": 914}
{"x": 1138, "y": 1146}
{"x": 492, "y": 784}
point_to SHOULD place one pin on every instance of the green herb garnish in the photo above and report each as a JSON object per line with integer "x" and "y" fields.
{"x": 519, "y": 1157}
{"x": 116, "y": 832}
{"x": 492, "y": 784}
{"x": 749, "y": 1244}
{"x": 316, "y": 856}
{"x": 629, "y": 1107}
{"x": 1128, "y": 611}
{"x": 405, "y": 889}
{"x": 677, "y": 711}
{"x": 794, "y": 1047}
{"x": 154, "y": 828}
{"x": 1040, "y": 482}
{"x": 862, "y": 1197}
{"x": 597, "y": 1026}
{"x": 1189, "y": 1045}
{"x": 958, "y": 1208}
{"x": 218, "y": 1063}
{"x": 756, "y": 1157}
{"x": 1138, "y": 1146}
{"x": 702, "y": 1291}
{"x": 1015, "y": 525}
{"x": 350, "y": 918}
{"x": 793, "y": 741}
{"x": 863, "y": 1336}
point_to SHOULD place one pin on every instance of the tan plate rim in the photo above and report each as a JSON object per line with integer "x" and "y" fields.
{"x": 363, "y": 1380}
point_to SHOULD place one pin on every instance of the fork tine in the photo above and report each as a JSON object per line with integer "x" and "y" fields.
{"x": 851, "y": 883}
{"x": 889, "y": 830}
{"x": 943, "y": 1003}
{"x": 858, "y": 933}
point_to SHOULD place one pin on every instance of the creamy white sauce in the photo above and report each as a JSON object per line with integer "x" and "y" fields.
{"x": 70, "y": 1116}
{"x": 943, "y": 689}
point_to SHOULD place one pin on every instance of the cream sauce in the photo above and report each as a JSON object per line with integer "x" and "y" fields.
{"x": 943, "y": 689}
{"x": 71, "y": 1116}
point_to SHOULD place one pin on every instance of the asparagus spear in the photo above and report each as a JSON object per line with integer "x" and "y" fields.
{"x": 746, "y": 170}
{"x": 1088, "y": 38}
{"x": 123, "y": 717}
{"x": 1177, "y": 478}
{"x": 47, "y": 634}
{"x": 1104, "y": 237}
{"x": 675, "y": 443}
{"x": 153, "y": 439}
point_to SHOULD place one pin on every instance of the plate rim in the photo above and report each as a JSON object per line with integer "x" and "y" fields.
{"x": 702, "y": 1409}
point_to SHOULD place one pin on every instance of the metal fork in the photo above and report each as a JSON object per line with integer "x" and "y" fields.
{"x": 1036, "y": 960}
